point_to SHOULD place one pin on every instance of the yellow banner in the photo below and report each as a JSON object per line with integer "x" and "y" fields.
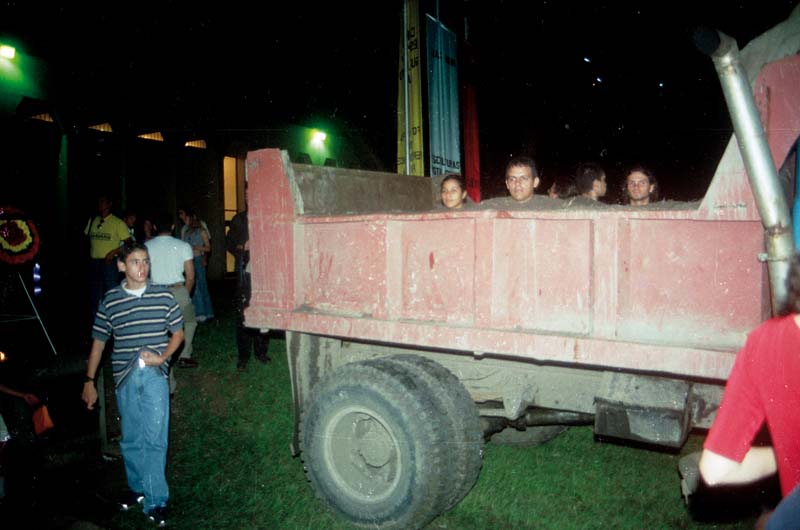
{"x": 410, "y": 92}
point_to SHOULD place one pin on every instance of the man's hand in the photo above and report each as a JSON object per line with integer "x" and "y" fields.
{"x": 31, "y": 399}
{"x": 89, "y": 391}
{"x": 89, "y": 395}
{"x": 151, "y": 359}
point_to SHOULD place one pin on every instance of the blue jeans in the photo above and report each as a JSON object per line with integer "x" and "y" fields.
{"x": 201, "y": 299}
{"x": 787, "y": 514}
{"x": 143, "y": 402}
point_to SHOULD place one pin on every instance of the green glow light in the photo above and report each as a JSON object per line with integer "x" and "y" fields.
{"x": 318, "y": 138}
{"x": 20, "y": 75}
{"x": 7, "y": 52}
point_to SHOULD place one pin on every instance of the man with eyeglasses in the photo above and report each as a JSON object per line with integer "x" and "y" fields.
{"x": 522, "y": 179}
{"x": 106, "y": 234}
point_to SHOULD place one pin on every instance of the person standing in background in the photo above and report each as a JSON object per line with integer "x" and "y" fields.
{"x": 197, "y": 236}
{"x": 247, "y": 339}
{"x": 106, "y": 233}
{"x": 172, "y": 265}
{"x": 129, "y": 218}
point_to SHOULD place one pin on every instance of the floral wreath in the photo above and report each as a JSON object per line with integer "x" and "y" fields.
{"x": 19, "y": 239}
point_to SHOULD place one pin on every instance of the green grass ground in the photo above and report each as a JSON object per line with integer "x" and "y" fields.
{"x": 230, "y": 465}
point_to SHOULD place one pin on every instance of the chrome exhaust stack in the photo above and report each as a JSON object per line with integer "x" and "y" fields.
{"x": 769, "y": 196}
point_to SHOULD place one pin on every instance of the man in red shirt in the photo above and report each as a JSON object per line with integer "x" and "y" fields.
{"x": 764, "y": 386}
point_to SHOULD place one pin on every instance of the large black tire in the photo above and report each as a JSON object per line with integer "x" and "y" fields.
{"x": 373, "y": 446}
{"x": 464, "y": 433}
{"x": 530, "y": 437}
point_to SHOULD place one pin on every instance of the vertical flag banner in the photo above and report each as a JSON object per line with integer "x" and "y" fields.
{"x": 444, "y": 130}
{"x": 469, "y": 109}
{"x": 409, "y": 97}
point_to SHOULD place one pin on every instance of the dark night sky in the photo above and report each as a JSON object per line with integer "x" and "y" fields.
{"x": 177, "y": 66}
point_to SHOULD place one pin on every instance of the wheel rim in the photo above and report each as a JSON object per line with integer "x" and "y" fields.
{"x": 361, "y": 452}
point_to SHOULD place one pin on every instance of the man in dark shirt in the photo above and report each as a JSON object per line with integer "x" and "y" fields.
{"x": 247, "y": 339}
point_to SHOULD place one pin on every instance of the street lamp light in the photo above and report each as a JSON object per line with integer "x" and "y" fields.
{"x": 318, "y": 138}
{"x": 7, "y": 52}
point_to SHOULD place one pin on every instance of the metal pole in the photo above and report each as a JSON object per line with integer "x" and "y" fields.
{"x": 405, "y": 86}
{"x": 25, "y": 288}
{"x": 750, "y": 135}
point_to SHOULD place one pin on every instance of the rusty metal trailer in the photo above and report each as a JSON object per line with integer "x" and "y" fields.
{"x": 413, "y": 332}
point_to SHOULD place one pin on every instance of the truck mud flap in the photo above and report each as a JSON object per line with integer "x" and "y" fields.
{"x": 643, "y": 409}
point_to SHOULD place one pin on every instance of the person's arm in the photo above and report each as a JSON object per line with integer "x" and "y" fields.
{"x": 112, "y": 255}
{"x": 206, "y": 242}
{"x": 234, "y": 238}
{"x": 29, "y": 398}
{"x": 230, "y": 240}
{"x": 89, "y": 391}
{"x": 759, "y": 462}
{"x": 151, "y": 359}
{"x": 188, "y": 273}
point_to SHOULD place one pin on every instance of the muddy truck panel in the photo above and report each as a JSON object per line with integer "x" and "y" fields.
{"x": 672, "y": 289}
{"x": 400, "y": 316}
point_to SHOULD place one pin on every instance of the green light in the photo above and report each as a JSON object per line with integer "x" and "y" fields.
{"x": 21, "y": 75}
{"x": 7, "y": 52}
{"x": 318, "y": 138}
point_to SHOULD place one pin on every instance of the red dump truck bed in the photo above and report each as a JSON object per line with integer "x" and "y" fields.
{"x": 672, "y": 288}
{"x": 413, "y": 333}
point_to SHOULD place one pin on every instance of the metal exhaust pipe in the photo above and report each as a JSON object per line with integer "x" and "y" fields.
{"x": 750, "y": 135}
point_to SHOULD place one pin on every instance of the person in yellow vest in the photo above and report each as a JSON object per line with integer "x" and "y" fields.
{"x": 106, "y": 233}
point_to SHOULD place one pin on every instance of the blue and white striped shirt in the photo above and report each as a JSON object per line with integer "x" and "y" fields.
{"x": 136, "y": 322}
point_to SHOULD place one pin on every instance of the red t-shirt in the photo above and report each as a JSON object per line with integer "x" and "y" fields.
{"x": 763, "y": 385}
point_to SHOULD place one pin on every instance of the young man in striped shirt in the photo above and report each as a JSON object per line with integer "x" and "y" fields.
{"x": 147, "y": 326}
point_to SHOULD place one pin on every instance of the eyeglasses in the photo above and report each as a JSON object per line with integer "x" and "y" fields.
{"x": 518, "y": 178}
{"x": 100, "y": 224}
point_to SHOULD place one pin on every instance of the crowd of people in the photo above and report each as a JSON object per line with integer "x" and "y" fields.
{"x": 588, "y": 186}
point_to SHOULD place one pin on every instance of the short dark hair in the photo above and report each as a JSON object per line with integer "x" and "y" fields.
{"x": 585, "y": 176}
{"x": 456, "y": 177}
{"x": 522, "y": 161}
{"x": 564, "y": 188}
{"x": 130, "y": 248}
{"x": 164, "y": 222}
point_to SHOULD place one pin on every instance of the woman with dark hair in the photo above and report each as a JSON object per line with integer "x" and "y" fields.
{"x": 453, "y": 192}
{"x": 197, "y": 236}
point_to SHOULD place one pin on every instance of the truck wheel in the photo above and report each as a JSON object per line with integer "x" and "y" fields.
{"x": 374, "y": 447}
{"x": 465, "y": 436}
{"x": 530, "y": 437}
